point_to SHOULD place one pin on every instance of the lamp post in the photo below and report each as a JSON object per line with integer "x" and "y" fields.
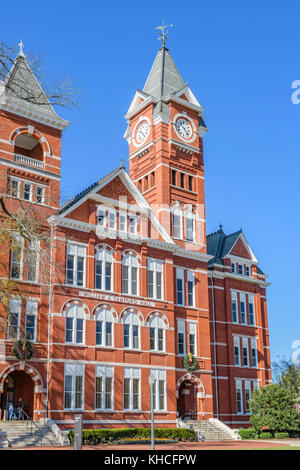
{"x": 151, "y": 383}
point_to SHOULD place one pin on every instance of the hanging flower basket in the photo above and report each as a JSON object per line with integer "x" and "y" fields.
{"x": 23, "y": 350}
{"x": 190, "y": 362}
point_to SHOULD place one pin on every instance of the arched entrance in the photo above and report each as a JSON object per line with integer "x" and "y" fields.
{"x": 18, "y": 384}
{"x": 187, "y": 401}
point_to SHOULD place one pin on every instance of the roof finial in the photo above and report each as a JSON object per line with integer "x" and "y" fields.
{"x": 21, "y": 45}
{"x": 163, "y": 32}
{"x": 220, "y": 226}
{"x": 122, "y": 163}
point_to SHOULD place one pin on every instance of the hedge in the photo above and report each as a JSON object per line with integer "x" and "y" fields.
{"x": 281, "y": 435}
{"x": 265, "y": 435}
{"x": 247, "y": 433}
{"x": 101, "y": 436}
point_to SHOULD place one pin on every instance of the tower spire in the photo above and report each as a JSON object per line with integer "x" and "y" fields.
{"x": 163, "y": 32}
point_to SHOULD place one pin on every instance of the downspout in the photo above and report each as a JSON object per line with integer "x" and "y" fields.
{"x": 215, "y": 346}
{"x": 49, "y": 317}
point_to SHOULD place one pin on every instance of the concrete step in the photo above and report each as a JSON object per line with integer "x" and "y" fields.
{"x": 25, "y": 434}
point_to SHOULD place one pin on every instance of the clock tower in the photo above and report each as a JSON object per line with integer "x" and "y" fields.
{"x": 165, "y": 136}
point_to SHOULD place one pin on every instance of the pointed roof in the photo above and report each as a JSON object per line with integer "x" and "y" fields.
{"x": 164, "y": 77}
{"x": 219, "y": 245}
{"x": 21, "y": 93}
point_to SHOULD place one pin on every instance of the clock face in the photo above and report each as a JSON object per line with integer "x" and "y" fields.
{"x": 184, "y": 128}
{"x": 142, "y": 132}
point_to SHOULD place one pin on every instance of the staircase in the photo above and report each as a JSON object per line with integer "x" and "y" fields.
{"x": 209, "y": 430}
{"x": 27, "y": 434}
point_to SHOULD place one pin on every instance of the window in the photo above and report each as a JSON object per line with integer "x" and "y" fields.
{"x": 14, "y": 316}
{"x": 15, "y": 188}
{"x": 16, "y": 257}
{"x": 27, "y": 192}
{"x": 74, "y": 386}
{"x": 155, "y": 279}
{"x": 39, "y": 194}
{"x": 104, "y": 328}
{"x": 132, "y": 224}
{"x": 182, "y": 180}
{"x": 247, "y": 396}
{"x": 130, "y": 271}
{"x": 236, "y": 345}
{"x": 31, "y": 319}
{"x": 32, "y": 260}
{"x": 190, "y": 289}
{"x": 173, "y": 177}
{"x": 131, "y": 332}
{"x": 253, "y": 352}
{"x": 159, "y": 390}
{"x": 131, "y": 393}
{"x": 157, "y": 337}
{"x": 240, "y": 269}
{"x": 239, "y": 397}
{"x": 177, "y": 222}
{"x": 245, "y": 352}
{"x": 181, "y": 336}
{"x": 251, "y": 310}
{"x": 234, "y": 307}
{"x": 76, "y": 265}
{"x": 192, "y": 338}
{"x": 101, "y": 217}
{"x": 243, "y": 309}
{"x": 146, "y": 183}
{"x": 112, "y": 220}
{"x": 122, "y": 222}
{"x": 233, "y": 267}
{"x": 190, "y": 226}
{"x": 190, "y": 183}
{"x": 153, "y": 178}
{"x": 75, "y": 324}
{"x": 247, "y": 271}
{"x": 179, "y": 286}
{"x": 104, "y": 388}
{"x": 103, "y": 269}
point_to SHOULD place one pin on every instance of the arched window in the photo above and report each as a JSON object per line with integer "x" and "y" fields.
{"x": 130, "y": 274}
{"x": 157, "y": 334}
{"x": 104, "y": 327}
{"x": 176, "y": 221}
{"x": 131, "y": 332}
{"x": 189, "y": 225}
{"x": 104, "y": 268}
{"x": 75, "y": 324}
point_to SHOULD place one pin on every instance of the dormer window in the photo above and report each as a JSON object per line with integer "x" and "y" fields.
{"x": 240, "y": 269}
{"x": 233, "y": 267}
{"x": 101, "y": 217}
{"x": 132, "y": 224}
{"x": 247, "y": 271}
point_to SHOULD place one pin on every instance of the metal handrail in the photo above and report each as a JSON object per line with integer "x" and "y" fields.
{"x": 32, "y": 423}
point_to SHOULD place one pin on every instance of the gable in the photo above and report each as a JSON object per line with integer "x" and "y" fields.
{"x": 116, "y": 189}
{"x": 239, "y": 249}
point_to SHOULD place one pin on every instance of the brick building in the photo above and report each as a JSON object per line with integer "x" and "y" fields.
{"x": 134, "y": 286}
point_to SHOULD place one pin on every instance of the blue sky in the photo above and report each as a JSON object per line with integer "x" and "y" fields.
{"x": 240, "y": 59}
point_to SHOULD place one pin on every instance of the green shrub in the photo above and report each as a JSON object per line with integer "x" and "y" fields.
{"x": 247, "y": 433}
{"x": 281, "y": 435}
{"x": 101, "y": 436}
{"x": 265, "y": 435}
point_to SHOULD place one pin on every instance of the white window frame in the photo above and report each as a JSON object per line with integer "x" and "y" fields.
{"x": 33, "y": 246}
{"x": 253, "y": 347}
{"x": 74, "y": 370}
{"x": 104, "y": 255}
{"x": 122, "y": 222}
{"x": 15, "y": 309}
{"x": 105, "y": 372}
{"x": 191, "y": 279}
{"x": 243, "y": 301}
{"x": 30, "y": 191}
{"x": 105, "y": 316}
{"x": 76, "y": 250}
{"x": 157, "y": 323}
{"x": 245, "y": 346}
{"x": 176, "y": 227}
{"x": 102, "y": 210}
{"x": 132, "y": 373}
{"x": 132, "y": 227}
{"x": 247, "y": 386}
{"x": 234, "y": 301}
{"x": 181, "y": 329}
{"x": 131, "y": 261}
{"x": 239, "y": 387}
{"x": 112, "y": 219}
{"x": 192, "y": 330}
{"x": 190, "y": 216}
{"x": 251, "y": 302}
{"x": 17, "y": 240}
{"x": 180, "y": 277}
{"x": 14, "y": 180}
{"x": 76, "y": 314}
{"x": 155, "y": 266}
{"x": 236, "y": 344}
{"x": 32, "y": 310}
{"x": 132, "y": 319}
{"x": 43, "y": 194}
{"x": 159, "y": 375}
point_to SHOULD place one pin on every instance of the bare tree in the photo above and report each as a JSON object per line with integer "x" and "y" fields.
{"x": 18, "y": 85}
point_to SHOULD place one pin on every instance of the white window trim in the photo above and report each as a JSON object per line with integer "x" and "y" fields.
{"x": 74, "y": 326}
{"x": 30, "y": 193}
{"x": 104, "y": 321}
{"x": 104, "y": 372}
{"x": 107, "y": 256}
{"x": 159, "y": 374}
{"x": 181, "y": 328}
{"x": 180, "y": 276}
{"x": 77, "y": 245}
{"x": 158, "y": 267}
{"x": 131, "y": 265}
{"x": 75, "y": 370}
{"x": 131, "y": 324}
{"x": 132, "y": 373}
{"x": 36, "y": 301}
{"x": 155, "y": 320}
{"x": 21, "y": 239}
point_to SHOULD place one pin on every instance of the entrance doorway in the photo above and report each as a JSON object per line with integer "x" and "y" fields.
{"x": 187, "y": 401}
{"x": 17, "y": 385}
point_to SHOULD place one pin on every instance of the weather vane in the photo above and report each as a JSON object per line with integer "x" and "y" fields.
{"x": 163, "y": 32}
